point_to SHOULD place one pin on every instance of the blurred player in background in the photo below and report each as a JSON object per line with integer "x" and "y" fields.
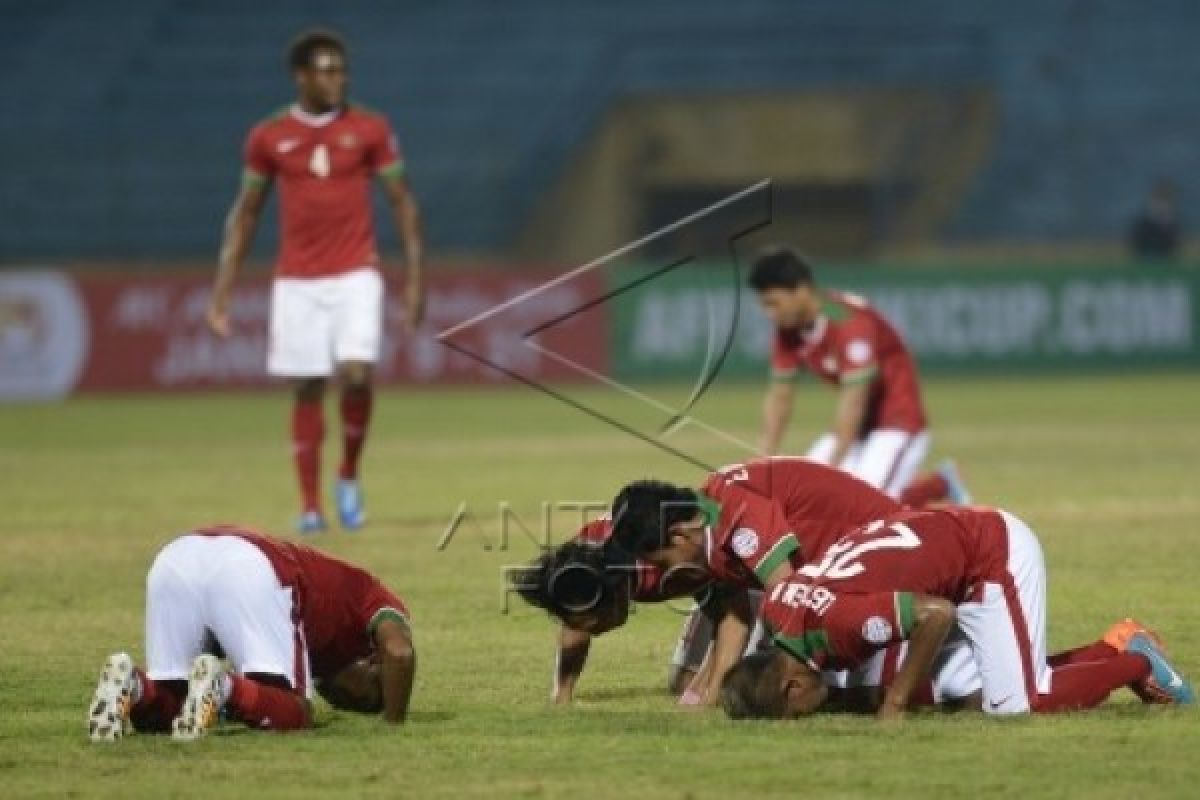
{"x": 290, "y": 620}
{"x": 880, "y": 432}
{"x": 327, "y": 302}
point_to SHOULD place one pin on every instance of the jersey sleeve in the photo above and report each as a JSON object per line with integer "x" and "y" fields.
{"x": 784, "y": 361}
{"x": 857, "y": 351}
{"x": 384, "y": 156}
{"x": 377, "y": 604}
{"x": 857, "y": 625}
{"x": 761, "y": 536}
{"x": 258, "y": 165}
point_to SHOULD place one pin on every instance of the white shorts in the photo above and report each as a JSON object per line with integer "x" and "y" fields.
{"x": 886, "y": 459}
{"x": 955, "y": 675}
{"x": 318, "y": 323}
{"x": 222, "y": 588}
{"x": 1005, "y": 626}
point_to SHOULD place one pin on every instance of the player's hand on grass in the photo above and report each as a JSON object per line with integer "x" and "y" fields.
{"x": 218, "y": 316}
{"x": 890, "y": 712}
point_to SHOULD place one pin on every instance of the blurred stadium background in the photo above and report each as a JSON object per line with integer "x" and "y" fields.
{"x": 981, "y": 168}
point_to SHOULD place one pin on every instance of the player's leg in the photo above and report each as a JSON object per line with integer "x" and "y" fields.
{"x": 888, "y": 459}
{"x": 252, "y": 616}
{"x": 300, "y": 349}
{"x": 357, "y": 341}
{"x": 821, "y": 450}
{"x": 128, "y": 697}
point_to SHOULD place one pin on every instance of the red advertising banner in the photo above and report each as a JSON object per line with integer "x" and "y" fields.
{"x": 63, "y": 332}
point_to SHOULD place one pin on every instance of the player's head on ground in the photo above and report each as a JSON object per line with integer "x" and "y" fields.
{"x": 771, "y": 685}
{"x": 358, "y": 687}
{"x": 576, "y": 583}
{"x": 317, "y": 60}
{"x": 661, "y": 523}
{"x": 786, "y": 289}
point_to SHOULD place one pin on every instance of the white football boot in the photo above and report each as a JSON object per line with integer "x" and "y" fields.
{"x": 205, "y": 698}
{"x": 108, "y": 715}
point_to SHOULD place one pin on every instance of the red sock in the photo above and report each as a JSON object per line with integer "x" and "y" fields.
{"x": 159, "y": 705}
{"x": 1087, "y": 684}
{"x": 308, "y": 429}
{"x": 266, "y": 707}
{"x": 356, "y": 415}
{"x": 926, "y": 489}
{"x": 1096, "y": 651}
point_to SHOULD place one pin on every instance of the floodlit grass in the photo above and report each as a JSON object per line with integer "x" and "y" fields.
{"x": 1105, "y": 469}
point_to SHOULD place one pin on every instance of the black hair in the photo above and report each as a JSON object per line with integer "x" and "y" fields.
{"x": 306, "y": 45}
{"x": 572, "y": 578}
{"x": 750, "y": 690}
{"x": 645, "y": 510}
{"x": 780, "y": 268}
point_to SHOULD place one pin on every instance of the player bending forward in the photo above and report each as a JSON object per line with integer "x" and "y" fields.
{"x": 327, "y": 302}
{"x": 928, "y": 578}
{"x": 288, "y": 618}
{"x": 880, "y": 433}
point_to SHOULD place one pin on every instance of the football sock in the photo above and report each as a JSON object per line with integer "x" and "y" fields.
{"x": 356, "y": 415}
{"x": 926, "y": 489}
{"x": 1087, "y": 684}
{"x": 159, "y": 703}
{"x": 266, "y": 707}
{"x": 308, "y": 429}
{"x": 1096, "y": 651}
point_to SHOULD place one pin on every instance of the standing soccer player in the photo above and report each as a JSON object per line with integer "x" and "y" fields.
{"x": 880, "y": 433}
{"x": 327, "y": 300}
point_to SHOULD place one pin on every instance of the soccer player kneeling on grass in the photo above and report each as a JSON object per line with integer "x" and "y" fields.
{"x": 932, "y": 578}
{"x": 289, "y": 619}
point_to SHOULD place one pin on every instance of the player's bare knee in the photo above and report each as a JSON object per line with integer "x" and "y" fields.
{"x": 310, "y": 390}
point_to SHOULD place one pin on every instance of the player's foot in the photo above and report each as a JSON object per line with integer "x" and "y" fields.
{"x": 205, "y": 698}
{"x": 311, "y": 522}
{"x": 956, "y": 488}
{"x": 1165, "y": 684}
{"x": 350, "y": 504}
{"x": 108, "y": 715}
{"x": 1119, "y": 633}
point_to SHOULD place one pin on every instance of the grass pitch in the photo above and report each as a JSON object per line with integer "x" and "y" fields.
{"x": 1105, "y": 469}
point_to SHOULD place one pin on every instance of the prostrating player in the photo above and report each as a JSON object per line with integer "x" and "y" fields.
{"x": 880, "y": 432}
{"x": 749, "y": 525}
{"x": 972, "y": 574}
{"x": 290, "y": 619}
{"x": 327, "y": 300}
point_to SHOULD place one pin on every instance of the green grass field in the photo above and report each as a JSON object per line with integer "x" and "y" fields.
{"x": 1105, "y": 469}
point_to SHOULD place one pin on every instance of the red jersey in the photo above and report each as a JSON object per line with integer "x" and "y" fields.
{"x": 337, "y": 603}
{"x": 323, "y": 165}
{"x": 850, "y": 343}
{"x": 773, "y": 510}
{"x": 647, "y": 578}
{"x": 857, "y": 597}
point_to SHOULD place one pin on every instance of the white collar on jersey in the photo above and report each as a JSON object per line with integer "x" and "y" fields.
{"x": 314, "y": 120}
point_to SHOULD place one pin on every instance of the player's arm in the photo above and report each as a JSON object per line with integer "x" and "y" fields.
{"x": 240, "y": 224}
{"x": 932, "y": 618}
{"x": 777, "y": 411}
{"x": 406, "y": 215}
{"x": 848, "y": 418}
{"x": 573, "y": 647}
{"x": 732, "y": 628}
{"x": 397, "y": 665}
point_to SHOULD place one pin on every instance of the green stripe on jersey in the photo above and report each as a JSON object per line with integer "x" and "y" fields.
{"x": 777, "y": 555}
{"x": 385, "y": 613}
{"x": 906, "y": 613}
{"x": 252, "y": 178}
{"x": 394, "y": 170}
{"x": 858, "y": 376}
{"x": 805, "y": 647}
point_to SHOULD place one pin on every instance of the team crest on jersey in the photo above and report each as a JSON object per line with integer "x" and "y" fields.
{"x": 829, "y": 364}
{"x": 347, "y": 140}
{"x": 877, "y": 630}
{"x": 858, "y": 351}
{"x": 745, "y": 542}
